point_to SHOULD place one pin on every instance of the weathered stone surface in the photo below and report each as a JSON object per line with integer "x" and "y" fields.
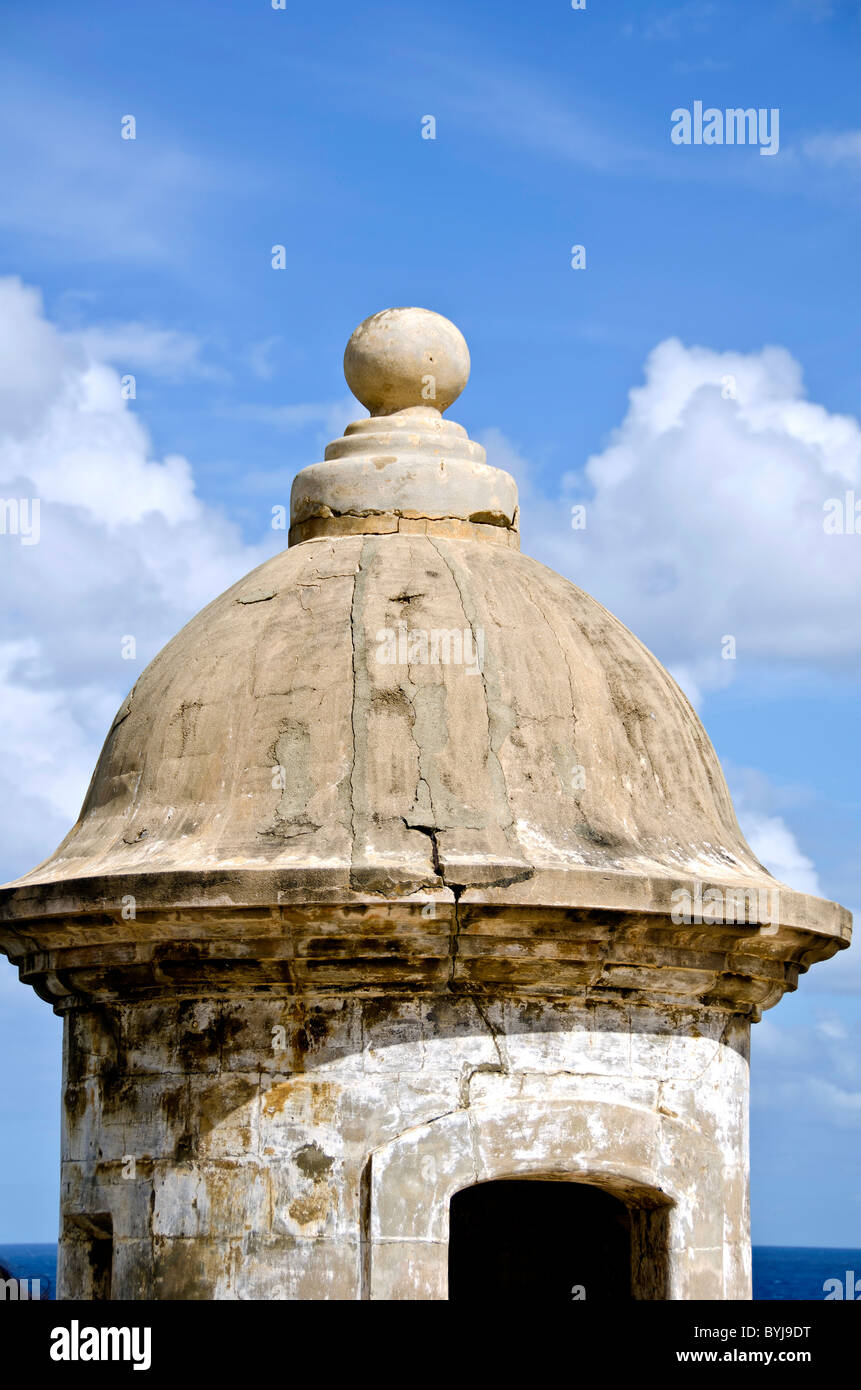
{"x": 338, "y": 1143}
{"x": 401, "y": 358}
{"x": 461, "y": 778}
{"x": 375, "y": 896}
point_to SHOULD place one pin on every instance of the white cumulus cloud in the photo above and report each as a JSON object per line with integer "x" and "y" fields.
{"x": 775, "y": 845}
{"x": 705, "y": 517}
{"x": 125, "y": 548}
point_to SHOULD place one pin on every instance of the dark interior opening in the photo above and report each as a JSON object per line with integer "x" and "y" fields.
{"x": 533, "y": 1239}
{"x": 101, "y": 1263}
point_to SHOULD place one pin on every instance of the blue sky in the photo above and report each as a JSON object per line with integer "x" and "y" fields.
{"x": 302, "y": 127}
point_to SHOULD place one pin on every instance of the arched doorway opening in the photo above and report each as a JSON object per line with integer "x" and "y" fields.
{"x": 548, "y": 1240}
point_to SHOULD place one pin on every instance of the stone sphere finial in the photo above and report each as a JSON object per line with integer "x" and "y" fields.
{"x": 406, "y": 357}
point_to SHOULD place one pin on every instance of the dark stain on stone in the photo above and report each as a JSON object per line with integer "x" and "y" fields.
{"x": 180, "y": 1271}
{"x": 598, "y": 837}
{"x": 312, "y": 1161}
{"x": 75, "y": 1099}
{"x": 173, "y": 1102}
{"x": 198, "y": 1045}
{"x": 314, "y": 1031}
{"x": 186, "y": 1147}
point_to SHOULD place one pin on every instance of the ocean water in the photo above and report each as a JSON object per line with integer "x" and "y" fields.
{"x": 31, "y": 1262}
{"x": 786, "y": 1272}
{"x": 781, "y": 1273}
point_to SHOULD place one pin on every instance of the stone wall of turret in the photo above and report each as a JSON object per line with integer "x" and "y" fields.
{"x": 267, "y": 1148}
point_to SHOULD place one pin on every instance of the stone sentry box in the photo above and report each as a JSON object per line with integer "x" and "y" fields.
{"x": 345, "y": 930}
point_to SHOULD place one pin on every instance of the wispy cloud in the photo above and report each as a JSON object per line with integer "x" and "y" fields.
{"x": 260, "y": 357}
{"x": 815, "y": 9}
{"x": 676, "y": 23}
{"x": 331, "y": 416}
{"x": 168, "y": 353}
{"x": 839, "y": 148}
{"x": 812, "y": 1068}
{"x": 72, "y": 185}
{"x": 536, "y": 119}
{"x": 700, "y": 65}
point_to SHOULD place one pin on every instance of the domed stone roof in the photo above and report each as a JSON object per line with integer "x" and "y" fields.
{"x": 403, "y": 707}
{"x": 559, "y": 743}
